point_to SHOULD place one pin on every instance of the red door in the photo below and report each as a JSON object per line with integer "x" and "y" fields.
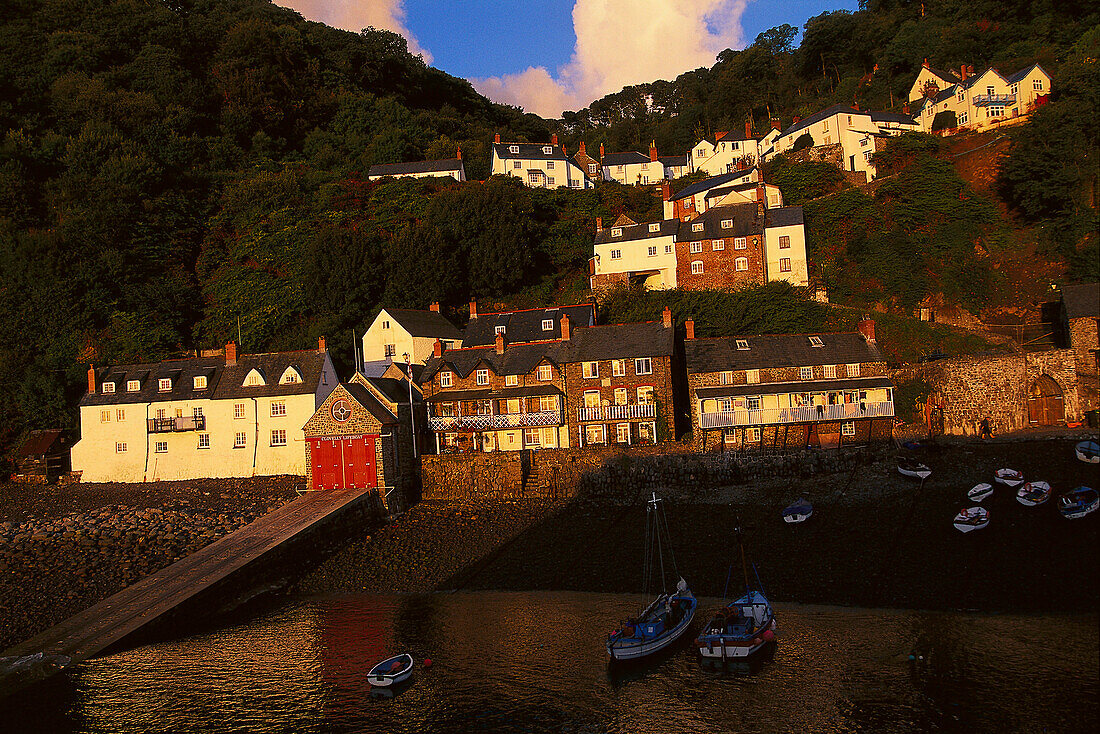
{"x": 347, "y": 461}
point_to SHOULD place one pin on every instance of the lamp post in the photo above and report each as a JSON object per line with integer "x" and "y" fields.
{"x": 412, "y": 413}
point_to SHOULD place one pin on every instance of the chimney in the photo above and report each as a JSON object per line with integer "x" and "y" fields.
{"x": 554, "y": 139}
{"x": 582, "y": 148}
{"x": 434, "y": 307}
{"x": 458, "y": 153}
{"x": 970, "y": 70}
{"x": 690, "y": 326}
{"x": 855, "y": 106}
{"x": 230, "y": 354}
{"x": 962, "y": 72}
{"x": 437, "y": 348}
{"x": 740, "y": 164}
{"x": 565, "y": 330}
{"x": 91, "y": 379}
{"x": 748, "y": 128}
{"x": 500, "y": 343}
{"x": 496, "y": 138}
{"x": 796, "y": 120}
{"x": 925, "y": 64}
{"x": 666, "y": 190}
{"x": 905, "y": 108}
{"x": 666, "y": 317}
{"x": 867, "y": 328}
{"x": 321, "y": 345}
{"x": 653, "y": 152}
{"x": 601, "y": 151}
{"x": 761, "y": 192}
{"x": 599, "y": 224}
{"x": 776, "y": 124}
{"x": 563, "y": 150}
{"x": 473, "y": 308}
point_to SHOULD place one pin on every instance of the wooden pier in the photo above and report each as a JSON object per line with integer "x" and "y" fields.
{"x": 84, "y": 635}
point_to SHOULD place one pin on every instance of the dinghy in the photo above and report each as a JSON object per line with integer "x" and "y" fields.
{"x": 1033, "y": 493}
{"x": 799, "y": 511}
{"x": 971, "y": 518}
{"x": 668, "y": 616}
{"x": 390, "y": 671}
{"x": 913, "y": 468}
{"x": 1078, "y": 502}
{"x": 979, "y": 492}
{"x": 1008, "y": 477}
{"x": 744, "y": 628}
{"x": 1088, "y": 451}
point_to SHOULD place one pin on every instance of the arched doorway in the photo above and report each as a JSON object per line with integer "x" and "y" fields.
{"x": 1045, "y": 406}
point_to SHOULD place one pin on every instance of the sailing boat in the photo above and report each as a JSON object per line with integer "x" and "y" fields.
{"x": 743, "y": 628}
{"x": 669, "y": 615}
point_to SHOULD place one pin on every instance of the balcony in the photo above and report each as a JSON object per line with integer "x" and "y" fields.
{"x": 617, "y": 412}
{"x": 804, "y": 414}
{"x": 490, "y": 422}
{"x": 173, "y": 425}
{"x": 982, "y": 100}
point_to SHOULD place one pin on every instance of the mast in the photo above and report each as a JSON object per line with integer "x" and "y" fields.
{"x": 744, "y": 564}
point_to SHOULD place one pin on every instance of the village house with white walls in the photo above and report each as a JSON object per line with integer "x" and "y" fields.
{"x": 633, "y": 168}
{"x": 743, "y": 186}
{"x": 727, "y": 152}
{"x": 587, "y": 163}
{"x": 450, "y": 168}
{"x": 222, "y": 415}
{"x": 539, "y": 165}
{"x": 397, "y": 332}
{"x": 978, "y": 101}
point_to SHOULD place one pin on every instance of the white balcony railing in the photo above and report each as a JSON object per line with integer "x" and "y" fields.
{"x": 617, "y": 412}
{"x": 495, "y": 422}
{"x": 805, "y": 414}
{"x": 988, "y": 99}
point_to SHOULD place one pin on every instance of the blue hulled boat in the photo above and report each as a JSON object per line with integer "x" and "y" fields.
{"x": 1078, "y": 502}
{"x": 742, "y": 630}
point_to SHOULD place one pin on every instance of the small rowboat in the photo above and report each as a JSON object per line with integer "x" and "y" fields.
{"x": 1033, "y": 493}
{"x": 799, "y": 511}
{"x": 913, "y": 468}
{"x": 979, "y": 492}
{"x": 391, "y": 671}
{"x": 1078, "y": 502}
{"x": 1088, "y": 451}
{"x": 1008, "y": 477}
{"x": 971, "y": 518}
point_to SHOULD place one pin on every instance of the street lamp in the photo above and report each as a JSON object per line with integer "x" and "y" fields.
{"x": 412, "y": 413}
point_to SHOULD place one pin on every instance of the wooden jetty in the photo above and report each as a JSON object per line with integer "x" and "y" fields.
{"x": 84, "y": 635}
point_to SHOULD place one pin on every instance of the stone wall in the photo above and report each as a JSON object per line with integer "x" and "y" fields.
{"x": 720, "y": 266}
{"x": 1085, "y": 341}
{"x": 499, "y": 475}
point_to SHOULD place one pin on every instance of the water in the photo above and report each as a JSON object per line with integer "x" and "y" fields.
{"x": 534, "y": 662}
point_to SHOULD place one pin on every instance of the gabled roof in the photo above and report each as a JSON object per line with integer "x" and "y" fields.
{"x": 743, "y": 218}
{"x": 723, "y": 190}
{"x": 837, "y": 109}
{"x": 370, "y": 403}
{"x": 1082, "y": 301}
{"x": 530, "y": 151}
{"x": 181, "y": 371}
{"x": 526, "y": 325}
{"x": 674, "y": 160}
{"x": 1024, "y": 72}
{"x": 308, "y": 362}
{"x": 42, "y": 442}
{"x": 665, "y": 228}
{"x": 777, "y": 350}
{"x": 786, "y": 216}
{"x": 396, "y": 169}
{"x": 628, "y": 158}
{"x": 424, "y": 323}
{"x": 624, "y": 221}
{"x": 710, "y": 183}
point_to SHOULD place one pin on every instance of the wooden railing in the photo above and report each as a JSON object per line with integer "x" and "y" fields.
{"x": 617, "y": 412}
{"x": 490, "y": 422}
{"x": 183, "y": 423}
{"x": 804, "y": 414}
{"x": 988, "y": 99}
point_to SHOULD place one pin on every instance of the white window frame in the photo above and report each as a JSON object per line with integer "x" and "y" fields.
{"x": 668, "y": 249}
{"x": 549, "y": 165}
{"x": 696, "y": 248}
{"x": 544, "y": 373}
{"x": 784, "y": 241}
{"x": 696, "y": 267}
{"x": 816, "y": 343}
{"x": 618, "y": 368}
{"x": 481, "y": 377}
{"x": 513, "y": 149}
{"x": 805, "y": 373}
{"x": 199, "y": 383}
{"x": 548, "y": 324}
{"x": 108, "y": 387}
{"x": 204, "y": 441}
{"x": 718, "y": 245}
{"x": 622, "y": 397}
{"x": 616, "y": 231}
{"x": 238, "y": 411}
{"x": 784, "y": 265}
{"x": 511, "y": 380}
{"x": 548, "y": 150}
{"x": 655, "y": 227}
{"x": 240, "y": 440}
{"x": 742, "y": 344}
{"x": 651, "y": 251}
{"x": 752, "y": 434}
{"x": 104, "y": 416}
{"x": 120, "y": 415}
{"x": 616, "y": 254}
{"x": 725, "y": 378}
{"x": 697, "y": 227}
{"x": 848, "y": 428}
{"x": 160, "y": 447}
{"x": 828, "y": 371}
{"x": 643, "y": 365}
{"x": 164, "y": 384}
{"x": 740, "y": 243}
{"x": 752, "y": 377}
{"x": 446, "y": 378}
{"x": 278, "y": 408}
{"x": 120, "y": 447}
{"x": 278, "y": 437}
{"x": 620, "y": 430}
{"x": 591, "y": 399}
{"x": 741, "y": 264}
{"x": 852, "y": 369}
{"x": 727, "y": 224}
{"x": 645, "y": 395}
{"x": 590, "y": 370}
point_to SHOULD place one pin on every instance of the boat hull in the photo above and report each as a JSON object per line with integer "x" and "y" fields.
{"x": 1033, "y": 494}
{"x": 979, "y": 492}
{"x": 1015, "y": 479}
{"x": 1088, "y": 451}
{"x": 1078, "y": 503}
{"x": 797, "y": 517}
{"x": 974, "y": 518}
{"x": 915, "y": 473}
{"x": 376, "y": 677}
{"x": 736, "y": 642}
{"x": 621, "y": 648}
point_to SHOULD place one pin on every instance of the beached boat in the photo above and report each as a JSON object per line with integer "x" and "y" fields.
{"x": 979, "y": 492}
{"x": 668, "y": 616}
{"x": 798, "y": 511}
{"x": 743, "y": 629}
{"x": 913, "y": 468}
{"x": 1078, "y": 502}
{"x": 1033, "y": 493}
{"x": 391, "y": 671}
{"x": 1088, "y": 451}
{"x": 971, "y": 518}
{"x": 1008, "y": 477}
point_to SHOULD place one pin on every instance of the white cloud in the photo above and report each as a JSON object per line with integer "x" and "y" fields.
{"x": 624, "y": 42}
{"x": 355, "y": 15}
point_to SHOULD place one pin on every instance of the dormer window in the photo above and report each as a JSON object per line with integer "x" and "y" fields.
{"x": 742, "y": 344}
{"x": 291, "y": 376}
{"x": 133, "y": 385}
{"x": 482, "y": 377}
{"x": 513, "y": 149}
{"x": 616, "y": 231}
{"x": 655, "y": 227}
{"x": 511, "y": 380}
{"x": 500, "y": 330}
{"x": 697, "y": 227}
{"x": 254, "y": 378}
{"x": 815, "y": 341}
{"x": 727, "y": 224}
{"x": 164, "y": 384}
{"x": 445, "y": 379}
{"x": 199, "y": 382}
{"x": 547, "y": 150}
{"x": 108, "y": 387}
{"x": 548, "y": 324}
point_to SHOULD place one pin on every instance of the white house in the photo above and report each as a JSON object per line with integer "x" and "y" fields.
{"x": 212, "y": 416}
{"x": 729, "y": 152}
{"x": 643, "y": 253}
{"x": 633, "y": 168}
{"x": 539, "y": 165}
{"x": 785, "y": 246}
{"x": 452, "y": 168}
{"x": 983, "y": 100}
{"x": 396, "y": 332}
{"x": 691, "y": 200}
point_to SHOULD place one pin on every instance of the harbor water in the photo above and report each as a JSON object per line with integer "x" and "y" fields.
{"x": 535, "y": 662}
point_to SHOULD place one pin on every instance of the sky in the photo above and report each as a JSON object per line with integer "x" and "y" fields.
{"x": 547, "y": 56}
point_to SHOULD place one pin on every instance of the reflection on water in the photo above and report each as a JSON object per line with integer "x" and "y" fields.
{"x": 506, "y": 662}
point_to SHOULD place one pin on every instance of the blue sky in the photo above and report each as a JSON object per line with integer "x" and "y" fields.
{"x": 550, "y": 55}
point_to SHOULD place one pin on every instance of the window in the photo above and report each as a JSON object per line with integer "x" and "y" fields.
{"x": 752, "y": 376}
{"x": 532, "y": 437}
{"x": 385, "y": 324}
{"x": 511, "y": 380}
{"x": 1037, "y": 84}
{"x": 853, "y": 369}
{"x": 696, "y": 247}
{"x": 815, "y": 341}
{"x": 591, "y": 398}
{"x": 549, "y": 165}
{"x": 616, "y": 254}
{"x": 120, "y": 448}
{"x": 645, "y": 395}
{"x": 592, "y": 169}
{"x": 544, "y": 373}
{"x": 805, "y": 373}
{"x": 548, "y": 403}
{"x": 120, "y": 414}
{"x": 643, "y": 366}
{"x": 784, "y": 265}
{"x": 160, "y": 412}
{"x": 725, "y": 378}
{"x": 962, "y": 118}
{"x": 697, "y": 227}
{"x": 740, "y": 243}
{"x": 729, "y": 435}
{"x": 482, "y": 377}
{"x": 517, "y": 164}
{"x": 696, "y": 267}
{"x": 590, "y": 369}
{"x": 848, "y": 429}
{"x": 240, "y": 440}
{"x": 784, "y": 242}
{"x": 549, "y": 180}
{"x": 618, "y": 367}
{"x": 196, "y": 412}
{"x": 204, "y": 440}
{"x": 164, "y": 384}
{"x": 513, "y": 149}
{"x": 996, "y": 111}
{"x": 104, "y": 416}
{"x": 620, "y": 396}
{"x": 548, "y": 324}
{"x": 829, "y": 371}
{"x": 989, "y": 91}
{"x": 238, "y": 410}
{"x": 593, "y": 433}
{"x": 254, "y": 379}
{"x": 668, "y": 249}
{"x": 652, "y": 251}
{"x": 752, "y": 434}
{"x": 727, "y": 224}
{"x": 962, "y": 95}
{"x": 655, "y": 227}
{"x": 547, "y": 150}
{"x": 278, "y": 408}
{"x": 161, "y": 447}
{"x": 622, "y": 433}
{"x": 389, "y": 350}
{"x": 825, "y": 126}
{"x": 741, "y": 263}
{"x": 200, "y": 382}
{"x": 501, "y": 330}
{"x": 616, "y": 231}
{"x": 108, "y": 387}
{"x": 718, "y": 245}
{"x": 278, "y": 437}
{"x": 445, "y": 378}
{"x": 618, "y": 169}
{"x": 742, "y": 344}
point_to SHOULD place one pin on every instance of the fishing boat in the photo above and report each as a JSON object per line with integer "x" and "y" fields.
{"x": 669, "y": 615}
{"x": 391, "y": 671}
{"x": 1088, "y": 451}
{"x": 798, "y": 511}
{"x": 971, "y": 518}
{"x": 1078, "y": 502}
{"x": 913, "y": 468}
{"x": 1033, "y": 493}
{"x": 1008, "y": 477}
{"x": 743, "y": 629}
{"x": 979, "y": 492}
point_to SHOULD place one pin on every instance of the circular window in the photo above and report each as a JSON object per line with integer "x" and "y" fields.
{"x": 341, "y": 411}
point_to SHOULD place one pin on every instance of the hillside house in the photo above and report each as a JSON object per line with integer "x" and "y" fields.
{"x": 450, "y": 168}
{"x": 728, "y": 152}
{"x": 788, "y": 390}
{"x": 979, "y": 101}
{"x": 588, "y": 164}
{"x": 525, "y": 325}
{"x": 637, "y": 253}
{"x": 633, "y": 168}
{"x": 691, "y": 200}
{"x": 539, "y": 165}
{"x": 676, "y": 166}
{"x": 396, "y": 332}
{"x": 42, "y": 457}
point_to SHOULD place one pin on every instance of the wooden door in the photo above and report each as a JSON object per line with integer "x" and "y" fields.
{"x": 359, "y": 461}
{"x": 1045, "y": 404}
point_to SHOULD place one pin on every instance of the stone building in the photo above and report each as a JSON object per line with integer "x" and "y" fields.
{"x": 1081, "y": 308}
{"x": 788, "y": 390}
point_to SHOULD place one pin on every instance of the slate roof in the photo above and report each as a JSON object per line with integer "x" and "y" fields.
{"x": 526, "y": 325}
{"x": 308, "y": 362}
{"x": 897, "y": 117}
{"x": 530, "y": 151}
{"x": 1024, "y": 72}
{"x": 373, "y": 405}
{"x": 710, "y": 183}
{"x": 395, "y": 169}
{"x": 786, "y": 216}
{"x": 767, "y": 388}
{"x": 674, "y": 160}
{"x": 639, "y": 232}
{"x": 777, "y": 350}
{"x": 723, "y": 190}
{"x": 837, "y": 109}
{"x": 1082, "y": 301}
{"x": 394, "y": 390}
{"x": 488, "y": 394}
{"x": 628, "y": 158}
{"x": 41, "y": 442}
{"x": 745, "y": 223}
{"x": 424, "y": 323}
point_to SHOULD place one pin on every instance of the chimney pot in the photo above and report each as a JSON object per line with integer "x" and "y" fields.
{"x": 554, "y": 139}
{"x": 434, "y": 307}
{"x": 582, "y": 147}
{"x": 599, "y": 224}
{"x": 91, "y": 379}
{"x": 666, "y": 317}
{"x": 437, "y": 348}
{"x": 797, "y": 119}
{"x": 601, "y": 151}
{"x": 566, "y": 331}
{"x": 500, "y": 344}
{"x": 867, "y": 328}
{"x": 776, "y": 124}
{"x": 563, "y": 150}
{"x": 690, "y": 326}
{"x": 321, "y": 345}
{"x": 748, "y": 129}
{"x": 653, "y": 151}
{"x": 231, "y": 354}
{"x": 666, "y": 190}
{"x": 496, "y": 138}
{"x": 925, "y": 64}
{"x": 473, "y": 308}
{"x": 905, "y": 108}
{"x": 458, "y": 153}
{"x": 963, "y": 72}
